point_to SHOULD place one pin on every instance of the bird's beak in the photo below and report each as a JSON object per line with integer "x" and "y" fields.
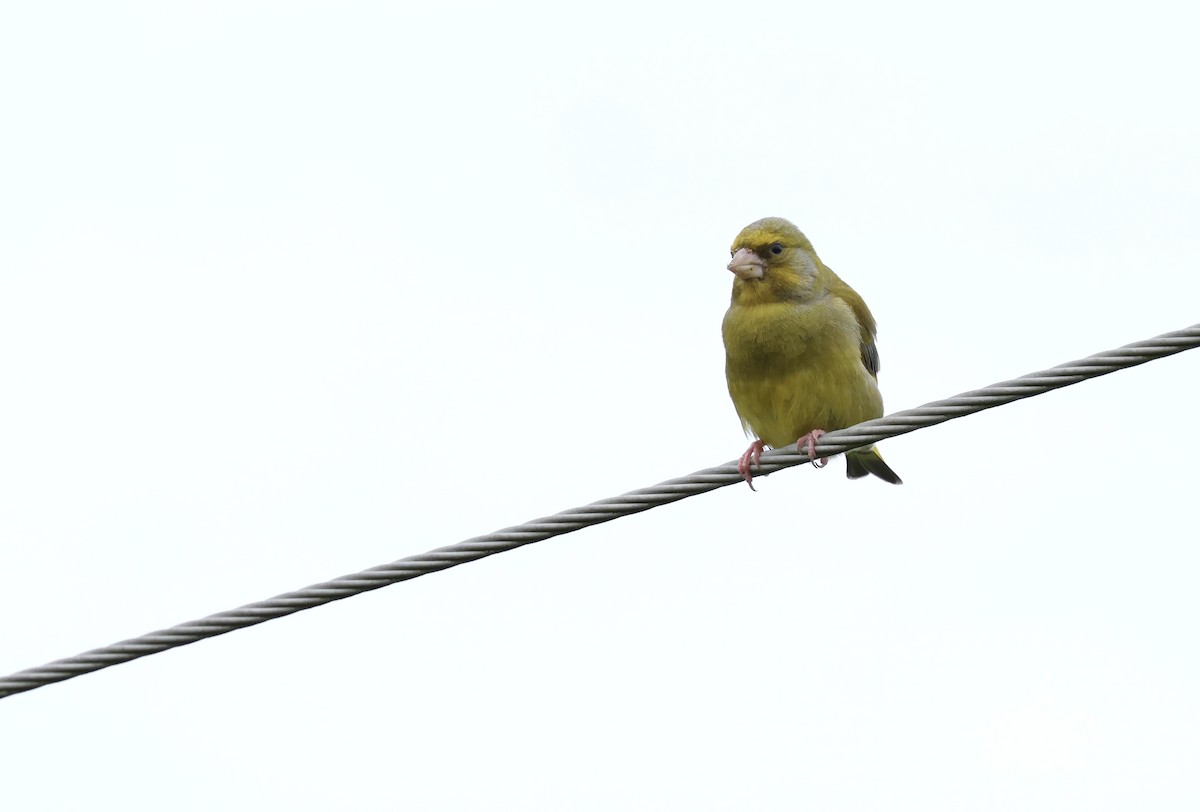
{"x": 747, "y": 264}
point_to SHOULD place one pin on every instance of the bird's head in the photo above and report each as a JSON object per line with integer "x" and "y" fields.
{"x": 772, "y": 260}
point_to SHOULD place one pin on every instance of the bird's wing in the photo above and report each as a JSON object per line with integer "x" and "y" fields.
{"x": 870, "y": 357}
{"x": 866, "y": 322}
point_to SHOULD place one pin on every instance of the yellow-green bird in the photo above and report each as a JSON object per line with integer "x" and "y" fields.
{"x": 800, "y": 353}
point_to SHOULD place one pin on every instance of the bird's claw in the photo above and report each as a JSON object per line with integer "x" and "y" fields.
{"x": 809, "y": 443}
{"x": 750, "y": 460}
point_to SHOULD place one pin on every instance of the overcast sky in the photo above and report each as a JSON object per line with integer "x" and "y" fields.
{"x": 288, "y": 290}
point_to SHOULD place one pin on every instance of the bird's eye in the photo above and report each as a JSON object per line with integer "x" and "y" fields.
{"x": 776, "y": 248}
{"x": 731, "y": 252}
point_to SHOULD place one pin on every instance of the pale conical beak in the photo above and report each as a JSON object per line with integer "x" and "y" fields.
{"x": 747, "y": 264}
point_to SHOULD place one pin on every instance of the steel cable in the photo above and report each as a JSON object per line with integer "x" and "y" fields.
{"x": 835, "y": 442}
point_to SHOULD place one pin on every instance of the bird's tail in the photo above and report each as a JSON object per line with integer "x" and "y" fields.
{"x": 863, "y": 461}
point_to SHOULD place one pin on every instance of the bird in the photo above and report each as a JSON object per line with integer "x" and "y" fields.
{"x": 800, "y": 355}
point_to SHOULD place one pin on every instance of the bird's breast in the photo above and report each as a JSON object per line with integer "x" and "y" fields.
{"x": 793, "y": 368}
{"x": 785, "y": 336}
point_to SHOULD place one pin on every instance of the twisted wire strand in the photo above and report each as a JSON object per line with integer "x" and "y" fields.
{"x": 672, "y": 490}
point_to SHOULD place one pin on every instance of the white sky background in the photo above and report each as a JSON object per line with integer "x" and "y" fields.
{"x": 291, "y": 290}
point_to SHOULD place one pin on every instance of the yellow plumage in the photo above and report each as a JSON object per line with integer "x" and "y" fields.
{"x": 799, "y": 346}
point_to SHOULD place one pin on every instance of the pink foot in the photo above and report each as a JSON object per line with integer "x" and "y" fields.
{"x": 809, "y": 442}
{"x": 750, "y": 458}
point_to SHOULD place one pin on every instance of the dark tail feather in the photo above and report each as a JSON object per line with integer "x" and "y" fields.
{"x": 861, "y": 462}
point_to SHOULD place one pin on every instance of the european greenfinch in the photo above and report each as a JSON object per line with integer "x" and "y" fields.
{"x": 800, "y": 355}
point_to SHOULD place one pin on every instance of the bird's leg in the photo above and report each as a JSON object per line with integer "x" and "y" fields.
{"x": 750, "y": 458}
{"x": 809, "y": 442}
